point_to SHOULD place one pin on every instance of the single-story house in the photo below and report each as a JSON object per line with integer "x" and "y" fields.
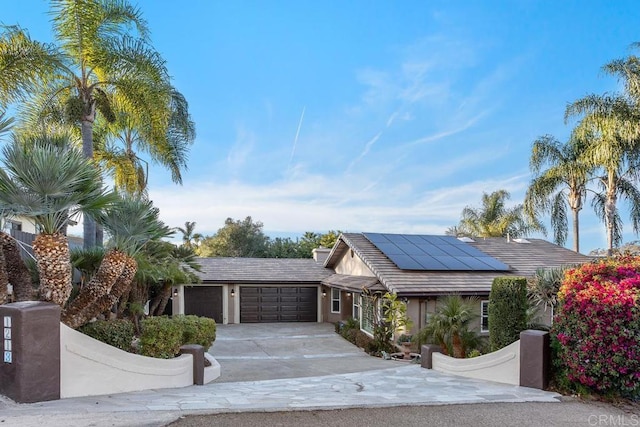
{"x": 343, "y": 282}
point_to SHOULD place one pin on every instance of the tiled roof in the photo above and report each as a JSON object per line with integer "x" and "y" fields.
{"x": 261, "y": 270}
{"x": 354, "y": 283}
{"x": 522, "y": 258}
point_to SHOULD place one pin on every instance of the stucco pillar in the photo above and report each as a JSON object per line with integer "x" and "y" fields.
{"x": 426, "y": 354}
{"x": 30, "y": 369}
{"x": 534, "y": 359}
{"x": 197, "y": 351}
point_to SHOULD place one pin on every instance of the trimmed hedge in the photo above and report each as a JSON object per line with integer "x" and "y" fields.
{"x": 197, "y": 330}
{"x": 507, "y": 311}
{"x": 162, "y": 336}
{"x": 118, "y": 333}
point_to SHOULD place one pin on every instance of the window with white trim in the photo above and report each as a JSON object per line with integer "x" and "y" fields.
{"x": 356, "y": 306}
{"x": 368, "y": 306}
{"x": 335, "y": 300}
{"x": 484, "y": 316}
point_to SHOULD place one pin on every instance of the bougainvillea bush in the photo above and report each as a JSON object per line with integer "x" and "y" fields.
{"x": 598, "y": 326}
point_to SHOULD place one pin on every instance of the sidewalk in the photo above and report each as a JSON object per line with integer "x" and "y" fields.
{"x": 398, "y": 386}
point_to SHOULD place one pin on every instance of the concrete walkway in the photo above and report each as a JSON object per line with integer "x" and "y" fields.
{"x": 388, "y": 384}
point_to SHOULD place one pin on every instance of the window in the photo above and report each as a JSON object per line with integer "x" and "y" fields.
{"x": 356, "y": 307}
{"x": 368, "y": 306}
{"x": 14, "y": 225}
{"x": 335, "y": 300}
{"x": 484, "y": 316}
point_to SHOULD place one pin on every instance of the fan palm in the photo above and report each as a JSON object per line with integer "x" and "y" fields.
{"x": 95, "y": 59}
{"x": 495, "y": 219}
{"x": 50, "y": 184}
{"x": 449, "y": 326}
{"x": 131, "y": 222}
{"x": 563, "y": 182}
{"x": 17, "y": 272}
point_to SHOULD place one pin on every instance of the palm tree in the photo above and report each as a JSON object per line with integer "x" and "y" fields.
{"x": 494, "y": 219}
{"x": 131, "y": 222}
{"x": 116, "y": 142}
{"x": 95, "y": 60}
{"x": 560, "y": 178}
{"x": 50, "y": 184}
{"x": 544, "y": 286}
{"x": 449, "y": 326}
{"x": 613, "y": 149}
{"x": 611, "y": 123}
{"x": 189, "y": 238}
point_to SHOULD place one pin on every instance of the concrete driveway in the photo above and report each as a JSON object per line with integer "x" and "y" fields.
{"x": 266, "y": 351}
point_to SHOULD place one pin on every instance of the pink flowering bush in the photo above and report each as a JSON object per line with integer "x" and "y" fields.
{"x": 597, "y": 325}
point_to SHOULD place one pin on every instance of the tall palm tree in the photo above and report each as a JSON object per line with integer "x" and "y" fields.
{"x": 612, "y": 127}
{"x": 612, "y": 123}
{"x": 50, "y": 184}
{"x": 131, "y": 223}
{"x": 495, "y": 219}
{"x": 95, "y": 59}
{"x": 560, "y": 178}
{"x": 118, "y": 144}
{"x": 189, "y": 238}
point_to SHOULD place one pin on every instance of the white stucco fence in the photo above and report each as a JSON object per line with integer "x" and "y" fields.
{"x": 90, "y": 367}
{"x": 501, "y": 366}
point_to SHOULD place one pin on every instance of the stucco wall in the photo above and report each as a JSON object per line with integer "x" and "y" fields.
{"x": 89, "y": 367}
{"x": 501, "y": 366}
{"x": 351, "y": 264}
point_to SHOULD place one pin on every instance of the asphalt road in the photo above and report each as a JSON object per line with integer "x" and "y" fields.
{"x": 567, "y": 413}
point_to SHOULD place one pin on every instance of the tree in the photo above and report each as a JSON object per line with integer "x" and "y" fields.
{"x": 494, "y": 219}
{"x": 284, "y": 247}
{"x": 50, "y": 183}
{"x": 117, "y": 140}
{"x": 449, "y": 325}
{"x": 189, "y": 238}
{"x": 131, "y": 223}
{"x": 560, "y": 178}
{"x": 95, "y": 59}
{"x": 236, "y": 239}
{"x": 611, "y": 123}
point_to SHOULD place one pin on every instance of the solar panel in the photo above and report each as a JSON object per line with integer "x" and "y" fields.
{"x": 433, "y": 253}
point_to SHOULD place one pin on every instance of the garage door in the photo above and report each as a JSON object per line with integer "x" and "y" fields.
{"x": 204, "y": 301}
{"x": 278, "y": 304}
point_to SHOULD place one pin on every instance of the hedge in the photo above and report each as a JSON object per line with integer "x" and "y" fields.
{"x": 118, "y": 333}
{"x": 507, "y": 311}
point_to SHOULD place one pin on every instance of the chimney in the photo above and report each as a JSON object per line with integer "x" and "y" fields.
{"x": 321, "y": 254}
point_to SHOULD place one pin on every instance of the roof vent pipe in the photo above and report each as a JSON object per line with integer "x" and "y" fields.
{"x": 508, "y": 237}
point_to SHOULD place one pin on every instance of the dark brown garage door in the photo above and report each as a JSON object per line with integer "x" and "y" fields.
{"x": 204, "y": 301}
{"x": 278, "y": 304}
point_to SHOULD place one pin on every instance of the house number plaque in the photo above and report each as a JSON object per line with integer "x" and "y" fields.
{"x": 8, "y": 354}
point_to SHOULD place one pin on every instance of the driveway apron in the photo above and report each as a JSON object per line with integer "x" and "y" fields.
{"x": 266, "y": 351}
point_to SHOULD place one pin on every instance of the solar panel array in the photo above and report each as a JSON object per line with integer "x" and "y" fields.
{"x": 433, "y": 253}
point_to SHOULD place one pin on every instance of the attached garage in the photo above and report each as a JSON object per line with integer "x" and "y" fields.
{"x": 254, "y": 290}
{"x": 278, "y": 304}
{"x": 204, "y": 301}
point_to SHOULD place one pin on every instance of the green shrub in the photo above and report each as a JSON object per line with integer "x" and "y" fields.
{"x": 507, "y": 311}
{"x": 118, "y": 333}
{"x": 381, "y": 341}
{"x": 161, "y": 337}
{"x": 197, "y": 330}
{"x": 362, "y": 340}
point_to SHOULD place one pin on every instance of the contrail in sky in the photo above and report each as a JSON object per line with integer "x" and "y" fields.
{"x": 295, "y": 141}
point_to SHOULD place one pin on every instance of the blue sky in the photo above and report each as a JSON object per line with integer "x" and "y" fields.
{"x": 369, "y": 115}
